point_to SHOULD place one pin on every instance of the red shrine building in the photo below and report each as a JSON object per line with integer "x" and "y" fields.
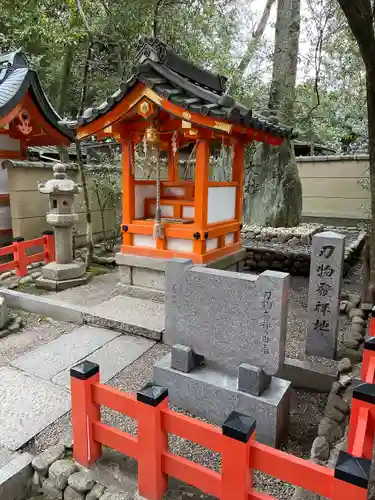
{"x": 167, "y": 104}
{"x": 26, "y": 119}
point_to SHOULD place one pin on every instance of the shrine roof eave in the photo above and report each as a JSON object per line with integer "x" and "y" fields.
{"x": 257, "y": 129}
{"x": 16, "y": 80}
{"x": 195, "y": 94}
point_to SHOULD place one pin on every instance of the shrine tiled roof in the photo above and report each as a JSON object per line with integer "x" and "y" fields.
{"x": 16, "y": 78}
{"x": 185, "y": 85}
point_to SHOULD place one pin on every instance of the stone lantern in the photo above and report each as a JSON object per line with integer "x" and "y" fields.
{"x": 64, "y": 272}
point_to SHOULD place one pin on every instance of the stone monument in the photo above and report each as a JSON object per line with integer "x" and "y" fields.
{"x": 64, "y": 272}
{"x": 326, "y": 271}
{"x": 227, "y": 333}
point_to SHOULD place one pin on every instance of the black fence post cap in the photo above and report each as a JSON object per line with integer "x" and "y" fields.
{"x": 370, "y": 344}
{"x": 152, "y": 395}
{"x": 84, "y": 370}
{"x": 353, "y": 470}
{"x": 365, "y": 392}
{"x": 18, "y": 239}
{"x": 48, "y": 232}
{"x": 239, "y": 426}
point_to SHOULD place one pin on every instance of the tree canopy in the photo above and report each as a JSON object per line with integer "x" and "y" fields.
{"x": 217, "y": 34}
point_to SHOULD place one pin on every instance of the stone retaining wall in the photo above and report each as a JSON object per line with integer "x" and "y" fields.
{"x": 58, "y": 477}
{"x": 334, "y": 427}
{"x": 297, "y": 263}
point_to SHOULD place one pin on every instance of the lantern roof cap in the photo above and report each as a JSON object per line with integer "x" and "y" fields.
{"x": 60, "y": 184}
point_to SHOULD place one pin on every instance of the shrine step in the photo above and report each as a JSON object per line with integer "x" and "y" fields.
{"x": 129, "y": 315}
{"x": 142, "y": 292}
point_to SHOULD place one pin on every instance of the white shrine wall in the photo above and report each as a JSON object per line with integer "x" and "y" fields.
{"x": 221, "y": 204}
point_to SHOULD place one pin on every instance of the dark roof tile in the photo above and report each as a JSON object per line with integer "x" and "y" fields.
{"x": 184, "y": 84}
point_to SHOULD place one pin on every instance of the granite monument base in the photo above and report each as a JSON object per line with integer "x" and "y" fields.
{"x": 211, "y": 394}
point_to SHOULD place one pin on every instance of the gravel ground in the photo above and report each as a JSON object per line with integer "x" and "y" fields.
{"x": 37, "y": 330}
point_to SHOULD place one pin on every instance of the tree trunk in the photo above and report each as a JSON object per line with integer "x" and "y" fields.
{"x": 66, "y": 69}
{"x": 371, "y": 146}
{"x": 86, "y": 199}
{"x": 89, "y": 240}
{"x": 360, "y": 16}
{"x": 251, "y": 46}
{"x": 276, "y": 199}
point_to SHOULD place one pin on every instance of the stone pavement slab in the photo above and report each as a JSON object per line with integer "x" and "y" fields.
{"x": 99, "y": 289}
{"x": 130, "y": 315}
{"x": 6, "y": 456}
{"x": 50, "y": 359}
{"x": 112, "y": 358}
{"x": 27, "y": 406}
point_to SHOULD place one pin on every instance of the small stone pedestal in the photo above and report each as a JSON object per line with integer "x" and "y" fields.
{"x": 64, "y": 272}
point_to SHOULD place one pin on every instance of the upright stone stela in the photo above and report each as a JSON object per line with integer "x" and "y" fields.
{"x": 227, "y": 333}
{"x": 326, "y": 271}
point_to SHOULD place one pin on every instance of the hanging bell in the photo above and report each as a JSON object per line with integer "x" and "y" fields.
{"x": 152, "y": 135}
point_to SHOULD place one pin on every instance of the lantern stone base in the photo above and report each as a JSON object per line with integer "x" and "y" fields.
{"x": 61, "y": 276}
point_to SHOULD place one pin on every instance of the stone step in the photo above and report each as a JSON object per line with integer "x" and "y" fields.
{"x": 129, "y": 315}
{"x": 142, "y": 292}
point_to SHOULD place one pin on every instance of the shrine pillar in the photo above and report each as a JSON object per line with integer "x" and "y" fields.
{"x": 201, "y": 193}
{"x": 128, "y": 188}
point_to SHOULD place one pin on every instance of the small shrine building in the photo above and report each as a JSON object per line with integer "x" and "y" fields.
{"x": 166, "y": 105}
{"x": 26, "y": 119}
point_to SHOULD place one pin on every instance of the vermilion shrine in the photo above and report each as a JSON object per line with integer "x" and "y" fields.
{"x": 167, "y": 104}
{"x": 26, "y": 119}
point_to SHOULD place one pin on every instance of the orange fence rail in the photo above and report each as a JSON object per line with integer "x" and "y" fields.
{"x": 241, "y": 454}
{"x": 21, "y": 258}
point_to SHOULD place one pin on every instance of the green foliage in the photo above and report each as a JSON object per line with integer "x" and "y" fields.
{"x": 202, "y": 30}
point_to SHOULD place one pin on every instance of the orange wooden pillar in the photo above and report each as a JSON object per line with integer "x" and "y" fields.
{"x": 84, "y": 412}
{"x": 49, "y": 246}
{"x": 237, "y": 479}
{"x": 362, "y": 421}
{"x": 128, "y": 189}
{"x": 351, "y": 478}
{"x": 20, "y": 256}
{"x": 153, "y": 442}
{"x": 352, "y": 470}
{"x": 238, "y": 175}
{"x": 372, "y": 323}
{"x": 201, "y": 194}
{"x": 368, "y": 362}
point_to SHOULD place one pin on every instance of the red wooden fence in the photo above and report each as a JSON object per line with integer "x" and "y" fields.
{"x": 21, "y": 258}
{"x": 240, "y": 452}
